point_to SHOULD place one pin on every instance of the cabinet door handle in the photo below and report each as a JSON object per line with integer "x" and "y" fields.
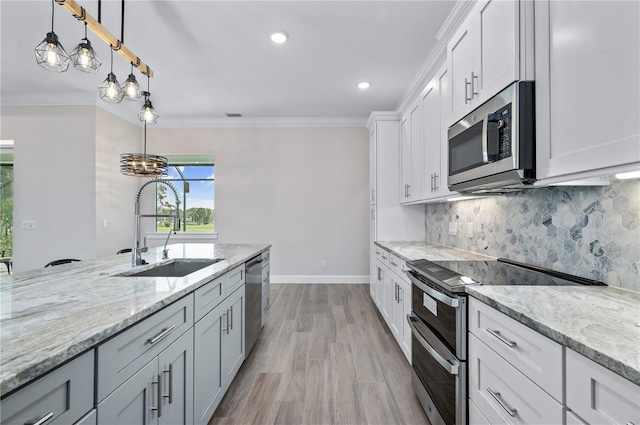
{"x": 496, "y": 395}
{"x": 40, "y": 421}
{"x": 231, "y": 317}
{"x": 473, "y": 86}
{"x": 408, "y": 190}
{"x": 170, "y": 372}
{"x": 226, "y": 324}
{"x": 435, "y": 182}
{"x": 393, "y": 264}
{"x": 496, "y": 333}
{"x": 163, "y": 333}
{"x": 466, "y": 95}
{"x": 159, "y": 398}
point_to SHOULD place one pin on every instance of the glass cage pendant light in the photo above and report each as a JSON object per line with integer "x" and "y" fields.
{"x": 147, "y": 114}
{"x": 110, "y": 89}
{"x": 132, "y": 90}
{"x": 49, "y": 53}
{"x": 84, "y": 58}
{"x": 143, "y": 164}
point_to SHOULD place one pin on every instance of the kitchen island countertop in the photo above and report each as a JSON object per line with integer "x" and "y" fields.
{"x": 600, "y": 322}
{"x": 49, "y": 316}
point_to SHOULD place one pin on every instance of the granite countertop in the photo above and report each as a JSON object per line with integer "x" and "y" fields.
{"x": 48, "y": 316}
{"x": 415, "y": 250}
{"x": 600, "y": 322}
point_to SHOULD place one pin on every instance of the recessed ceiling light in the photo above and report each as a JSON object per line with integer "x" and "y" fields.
{"x": 363, "y": 85}
{"x": 279, "y": 36}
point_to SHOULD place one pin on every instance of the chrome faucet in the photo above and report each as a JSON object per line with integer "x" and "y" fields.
{"x": 165, "y": 251}
{"x": 136, "y": 252}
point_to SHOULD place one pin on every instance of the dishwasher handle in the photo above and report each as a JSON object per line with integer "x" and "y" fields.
{"x": 254, "y": 263}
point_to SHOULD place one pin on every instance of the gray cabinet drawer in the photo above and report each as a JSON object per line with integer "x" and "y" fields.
{"x": 65, "y": 395}
{"x": 235, "y": 279}
{"x": 126, "y": 353}
{"x": 208, "y": 297}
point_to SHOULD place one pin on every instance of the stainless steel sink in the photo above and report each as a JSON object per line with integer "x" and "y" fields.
{"x": 175, "y": 268}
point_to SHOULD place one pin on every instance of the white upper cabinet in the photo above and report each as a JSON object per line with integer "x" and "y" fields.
{"x": 483, "y": 56}
{"x": 587, "y": 86}
{"x": 434, "y": 131}
{"x": 411, "y": 154}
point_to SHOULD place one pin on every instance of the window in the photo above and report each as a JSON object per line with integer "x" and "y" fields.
{"x": 193, "y": 179}
{"x": 6, "y": 199}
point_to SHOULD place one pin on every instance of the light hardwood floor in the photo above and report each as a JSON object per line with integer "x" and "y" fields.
{"x": 325, "y": 356}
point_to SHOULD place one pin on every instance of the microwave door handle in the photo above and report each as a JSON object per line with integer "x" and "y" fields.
{"x": 485, "y": 140}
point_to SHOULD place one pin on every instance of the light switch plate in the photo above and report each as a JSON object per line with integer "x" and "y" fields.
{"x": 453, "y": 228}
{"x": 105, "y": 223}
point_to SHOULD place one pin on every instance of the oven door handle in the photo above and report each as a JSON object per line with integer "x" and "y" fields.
{"x": 451, "y": 302}
{"x": 433, "y": 346}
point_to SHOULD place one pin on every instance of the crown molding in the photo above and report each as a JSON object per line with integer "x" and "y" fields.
{"x": 437, "y": 56}
{"x": 270, "y": 122}
{"x": 49, "y": 99}
{"x": 381, "y": 116}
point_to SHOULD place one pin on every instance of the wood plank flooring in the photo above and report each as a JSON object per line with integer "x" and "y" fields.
{"x": 325, "y": 356}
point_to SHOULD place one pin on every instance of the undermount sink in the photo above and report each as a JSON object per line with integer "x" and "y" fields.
{"x": 175, "y": 268}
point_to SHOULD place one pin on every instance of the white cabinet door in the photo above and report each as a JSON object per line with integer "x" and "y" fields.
{"x": 484, "y": 56}
{"x": 415, "y": 189}
{"x": 387, "y": 295}
{"x": 496, "y": 60}
{"x": 405, "y": 301}
{"x": 460, "y": 66}
{"x": 372, "y": 167}
{"x": 396, "y": 309}
{"x": 405, "y": 158}
{"x": 441, "y": 180}
{"x": 432, "y": 139}
{"x": 598, "y": 395}
{"x": 587, "y": 85}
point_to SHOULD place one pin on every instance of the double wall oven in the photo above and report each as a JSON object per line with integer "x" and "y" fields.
{"x": 438, "y": 324}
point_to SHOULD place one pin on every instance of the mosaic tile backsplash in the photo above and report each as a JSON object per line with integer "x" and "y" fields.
{"x": 592, "y": 232}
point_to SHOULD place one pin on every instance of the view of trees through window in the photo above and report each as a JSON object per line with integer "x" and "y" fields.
{"x": 195, "y": 187}
{"x": 6, "y": 209}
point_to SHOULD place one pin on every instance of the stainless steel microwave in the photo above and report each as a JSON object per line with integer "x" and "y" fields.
{"x": 493, "y": 148}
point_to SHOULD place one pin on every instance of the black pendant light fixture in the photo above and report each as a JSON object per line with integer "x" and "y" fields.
{"x": 110, "y": 90}
{"x": 49, "y": 53}
{"x": 83, "y": 57}
{"x": 143, "y": 164}
{"x": 147, "y": 114}
{"x": 131, "y": 88}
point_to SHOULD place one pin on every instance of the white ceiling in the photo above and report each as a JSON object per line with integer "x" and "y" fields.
{"x": 214, "y": 57}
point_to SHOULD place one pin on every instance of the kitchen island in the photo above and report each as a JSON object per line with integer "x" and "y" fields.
{"x": 49, "y": 316}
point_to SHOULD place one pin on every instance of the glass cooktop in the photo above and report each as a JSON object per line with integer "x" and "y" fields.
{"x": 456, "y": 274}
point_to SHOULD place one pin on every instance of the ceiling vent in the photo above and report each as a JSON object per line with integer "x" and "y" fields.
{"x": 233, "y": 115}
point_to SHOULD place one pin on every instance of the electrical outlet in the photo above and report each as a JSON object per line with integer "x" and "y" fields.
{"x": 470, "y": 230}
{"x": 105, "y": 223}
{"x": 29, "y": 224}
{"x": 453, "y": 228}
{"x": 323, "y": 265}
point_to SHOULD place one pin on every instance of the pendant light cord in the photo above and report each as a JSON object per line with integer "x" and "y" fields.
{"x": 111, "y": 45}
{"x": 85, "y": 31}
{"x": 52, "y": 13}
{"x": 122, "y": 24}
{"x": 144, "y": 155}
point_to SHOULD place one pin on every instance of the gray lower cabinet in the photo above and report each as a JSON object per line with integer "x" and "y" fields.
{"x": 219, "y": 353}
{"x": 159, "y": 393}
{"x": 62, "y": 397}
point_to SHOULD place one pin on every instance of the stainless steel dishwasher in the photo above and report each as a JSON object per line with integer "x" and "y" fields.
{"x": 253, "y": 307}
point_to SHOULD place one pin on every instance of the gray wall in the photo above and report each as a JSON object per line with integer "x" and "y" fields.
{"x": 592, "y": 232}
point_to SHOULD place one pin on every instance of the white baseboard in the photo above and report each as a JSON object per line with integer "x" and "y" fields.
{"x": 320, "y": 279}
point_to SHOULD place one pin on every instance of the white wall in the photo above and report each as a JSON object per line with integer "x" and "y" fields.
{"x": 67, "y": 178}
{"x": 114, "y": 192}
{"x": 54, "y": 182}
{"x": 303, "y": 190}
